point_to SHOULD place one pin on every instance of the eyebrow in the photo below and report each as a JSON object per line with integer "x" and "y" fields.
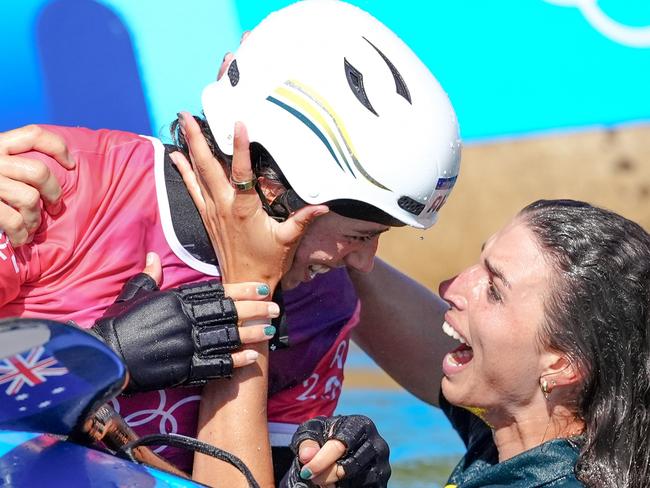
{"x": 494, "y": 271}
{"x": 373, "y": 233}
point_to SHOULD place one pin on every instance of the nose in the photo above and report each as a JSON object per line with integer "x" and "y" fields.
{"x": 455, "y": 290}
{"x": 362, "y": 258}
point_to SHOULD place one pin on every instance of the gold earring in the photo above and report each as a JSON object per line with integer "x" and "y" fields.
{"x": 543, "y": 384}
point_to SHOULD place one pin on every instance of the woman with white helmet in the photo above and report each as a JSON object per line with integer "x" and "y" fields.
{"x": 353, "y": 120}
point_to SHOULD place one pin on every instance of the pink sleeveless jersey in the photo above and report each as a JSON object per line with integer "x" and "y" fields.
{"x": 116, "y": 210}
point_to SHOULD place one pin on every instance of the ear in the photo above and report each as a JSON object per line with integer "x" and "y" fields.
{"x": 271, "y": 189}
{"x": 559, "y": 370}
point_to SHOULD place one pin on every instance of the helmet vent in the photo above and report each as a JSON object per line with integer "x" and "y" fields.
{"x": 233, "y": 73}
{"x": 410, "y": 205}
{"x": 355, "y": 80}
{"x": 400, "y": 84}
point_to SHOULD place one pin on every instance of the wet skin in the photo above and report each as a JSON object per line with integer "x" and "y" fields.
{"x": 333, "y": 241}
{"x": 497, "y": 307}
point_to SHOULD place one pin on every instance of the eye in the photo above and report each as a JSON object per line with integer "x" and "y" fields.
{"x": 493, "y": 293}
{"x": 359, "y": 238}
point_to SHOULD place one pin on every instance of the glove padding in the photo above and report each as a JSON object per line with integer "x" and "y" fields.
{"x": 181, "y": 336}
{"x": 365, "y": 461}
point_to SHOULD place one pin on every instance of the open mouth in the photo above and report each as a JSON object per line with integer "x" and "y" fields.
{"x": 456, "y": 360}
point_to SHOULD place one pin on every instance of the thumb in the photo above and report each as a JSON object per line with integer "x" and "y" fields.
{"x": 307, "y": 451}
{"x": 153, "y": 267}
{"x": 295, "y": 226}
{"x": 144, "y": 282}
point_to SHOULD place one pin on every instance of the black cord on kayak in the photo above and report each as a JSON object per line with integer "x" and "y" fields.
{"x": 185, "y": 442}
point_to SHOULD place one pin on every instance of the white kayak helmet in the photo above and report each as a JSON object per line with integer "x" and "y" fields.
{"x": 347, "y": 111}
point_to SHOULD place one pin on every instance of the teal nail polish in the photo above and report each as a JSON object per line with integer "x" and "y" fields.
{"x": 305, "y": 473}
{"x": 263, "y": 290}
{"x": 269, "y": 330}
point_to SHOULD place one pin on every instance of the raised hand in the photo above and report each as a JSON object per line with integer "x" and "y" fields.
{"x": 249, "y": 244}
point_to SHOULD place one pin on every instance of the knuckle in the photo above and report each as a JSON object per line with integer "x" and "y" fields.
{"x": 33, "y": 223}
{"x": 14, "y": 223}
{"x": 55, "y": 193}
{"x": 39, "y": 172}
{"x": 30, "y": 198}
{"x": 19, "y": 237}
{"x": 340, "y": 447}
{"x": 32, "y": 131}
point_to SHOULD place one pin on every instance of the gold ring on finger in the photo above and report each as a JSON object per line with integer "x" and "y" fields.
{"x": 242, "y": 185}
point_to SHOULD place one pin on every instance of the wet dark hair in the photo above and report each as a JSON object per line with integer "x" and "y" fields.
{"x": 263, "y": 164}
{"x": 597, "y": 315}
{"x": 181, "y": 143}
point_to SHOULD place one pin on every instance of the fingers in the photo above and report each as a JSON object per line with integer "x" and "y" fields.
{"x": 241, "y": 160}
{"x": 322, "y": 469}
{"x": 330, "y": 476}
{"x": 250, "y": 310}
{"x": 25, "y": 200}
{"x": 307, "y": 451}
{"x": 24, "y": 182}
{"x": 153, "y": 267}
{"x": 190, "y": 180}
{"x": 13, "y": 225}
{"x": 247, "y": 291}
{"x": 253, "y": 334}
{"x": 208, "y": 170}
{"x": 295, "y": 226}
{"x": 27, "y": 180}
{"x": 35, "y": 138}
{"x": 244, "y": 358}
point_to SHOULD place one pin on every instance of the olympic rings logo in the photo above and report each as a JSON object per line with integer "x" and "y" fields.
{"x": 603, "y": 23}
{"x": 168, "y": 423}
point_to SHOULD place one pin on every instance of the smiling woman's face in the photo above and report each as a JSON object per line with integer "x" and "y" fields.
{"x": 333, "y": 241}
{"x": 497, "y": 307}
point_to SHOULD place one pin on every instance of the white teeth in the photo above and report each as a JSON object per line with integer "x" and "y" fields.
{"x": 449, "y": 330}
{"x": 315, "y": 269}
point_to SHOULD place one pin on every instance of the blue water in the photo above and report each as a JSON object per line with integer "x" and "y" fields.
{"x": 414, "y": 430}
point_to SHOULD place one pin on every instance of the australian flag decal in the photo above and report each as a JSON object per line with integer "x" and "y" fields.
{"x": 31, "y": 369}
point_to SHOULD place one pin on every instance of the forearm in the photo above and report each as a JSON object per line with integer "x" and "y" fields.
{"x": 233, "y": 417}
{"x": 401, "y": 329}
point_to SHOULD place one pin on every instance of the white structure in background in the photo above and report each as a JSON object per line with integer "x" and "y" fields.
{"x": 623, "y": 34}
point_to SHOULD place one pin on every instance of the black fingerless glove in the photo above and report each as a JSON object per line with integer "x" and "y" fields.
{"x": 366, "y": 460}
{"x": 182, "y": 336}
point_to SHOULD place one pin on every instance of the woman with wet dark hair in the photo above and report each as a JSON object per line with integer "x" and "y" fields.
{"x": 548, "y": 382}
{"x": 597, "y": 314}
{"x": 550, "y": 385}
